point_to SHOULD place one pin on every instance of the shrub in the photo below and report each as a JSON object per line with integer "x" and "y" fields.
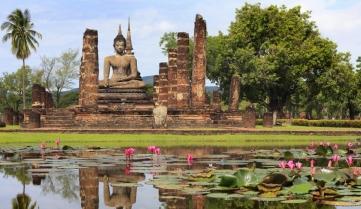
{"x": 327, "y": 123}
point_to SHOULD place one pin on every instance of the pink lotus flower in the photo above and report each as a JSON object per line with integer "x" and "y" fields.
{"x": 282, "y": 164}
{"x": 291, "y": 164}
{"x": 349, "y": 160}
{"x": 349, "y": 145}
{"x": 57, "y": 142}
{"x": 335, "y": 158}
{"x": 157, "y": 151}
{"x": 312, "y": 163}
{"x": 328, "y": 144}
{"x": 42, "y": 145}
{"x": 313, "y": 171}
{"x": 329, "y": 164}
{"x": 335, "y": 146}
{"x": 356, "y": 171}
{"x": 322, "y": 144}
{"x": 151, "y": 149}
{"x": 298, "y": 165}
{"x": 189, "y": 159}
{"x": 129, "y": 152}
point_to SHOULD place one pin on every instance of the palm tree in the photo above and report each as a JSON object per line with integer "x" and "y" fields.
{"x": 22, "y": 201}
{"x": 19, "y": 30}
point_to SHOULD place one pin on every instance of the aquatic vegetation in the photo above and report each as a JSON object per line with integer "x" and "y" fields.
{"x": 325, "y": 173}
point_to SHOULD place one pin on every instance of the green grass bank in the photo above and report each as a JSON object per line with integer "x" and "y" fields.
{"x": 167, "y": 140}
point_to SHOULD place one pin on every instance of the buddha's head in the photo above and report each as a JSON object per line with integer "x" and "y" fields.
{"x": 119, "y": 44}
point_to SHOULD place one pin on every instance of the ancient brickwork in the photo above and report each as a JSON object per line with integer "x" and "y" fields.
{"x": 49, "y": 102}
{"x": 249, "y": 118}
{"x": 41, "y": 98}
{"x": 183, "y": 80}
{"x": 89, "y": 187}
{"x": 31, "y": 119}
{"x": 89, "y": 70}
{"x": 155, "y": 88}
{"x": 37, "y": 101}
{"x": 198, "y": 98}
{"x": 234, "y": 93}
{"x": 216, "y": 101}
{"x": 172, "y": 78}
{"x": 268, "y": 119}
{"x": 9, "y": 116}
{"x": 163, "y": 84}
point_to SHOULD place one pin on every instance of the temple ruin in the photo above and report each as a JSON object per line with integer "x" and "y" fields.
{"x": 179, "y": 97}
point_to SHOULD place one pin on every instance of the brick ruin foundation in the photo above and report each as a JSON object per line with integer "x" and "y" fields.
{"x": 179, "y": 90}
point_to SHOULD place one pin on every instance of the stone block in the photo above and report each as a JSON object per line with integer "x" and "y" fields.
{"x": 249, "y": 118}
{"x": 268, "y": 120}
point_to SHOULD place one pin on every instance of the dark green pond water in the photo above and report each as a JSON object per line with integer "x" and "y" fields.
{"x": 104, "y": 178}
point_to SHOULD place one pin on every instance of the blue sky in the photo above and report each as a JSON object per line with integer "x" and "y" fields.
{"x": 63, "y": 22}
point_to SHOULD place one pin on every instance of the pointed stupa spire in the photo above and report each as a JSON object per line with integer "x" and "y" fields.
{"x": 120, "y": 30}
{"x": 129, "y": 45}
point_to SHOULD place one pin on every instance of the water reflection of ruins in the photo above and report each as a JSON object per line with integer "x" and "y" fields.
{"x": 119, "y": 189}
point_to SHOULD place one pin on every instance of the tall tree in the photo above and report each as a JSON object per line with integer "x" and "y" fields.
{"x": 19, "y": 30}
{"x": 270, "y": 49}
{"x": 65, "y": 72}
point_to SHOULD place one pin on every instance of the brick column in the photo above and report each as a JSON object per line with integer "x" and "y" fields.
{"x": 155, "y": 88}
{"x": 183, "y": 81}
{"x": 199, "y": 63}
{"x": 234, "y": 93}
{"x": 172, "y": 78}
{"x": 216, "y": 101}
{"x": 36, "y": 96}
{"x": 89, "y": 187}
{"x": 163, "y": 84}
{"x": 89, "y": 70}
{"x": 49, "y": 102}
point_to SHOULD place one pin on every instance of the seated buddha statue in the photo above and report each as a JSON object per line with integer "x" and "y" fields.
{"x": 124, "y": 66}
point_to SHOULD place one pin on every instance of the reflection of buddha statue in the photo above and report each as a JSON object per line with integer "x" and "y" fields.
{"x": 124, "y": 65}
{"x": 121, "y": 197}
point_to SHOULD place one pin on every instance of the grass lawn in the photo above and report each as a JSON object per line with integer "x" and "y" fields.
{"x": 259, "y": 127}
{"x": 307, "y": 128}
{"x": 164, "y": 140}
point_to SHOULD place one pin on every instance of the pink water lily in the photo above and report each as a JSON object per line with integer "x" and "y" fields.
{"x": 298, "y": 165}
{"x": 329, "y": 165}
{"x": 335, "y": 146}
{"x": 189, "y": 159}
{"x": 282, "y": 164}
{"x": 313, "y": 171}
{"x": 157, "y": 151}
{"x": 335, "y": 158}
{"x": 151, "y": 149}
{"x": 291, "y": 164}
{"x": 328, "y": 144}
{"x": 312, "y": 163}
{"x": 356, "y": 171}
{"x": 349, "y": 145}
{"x": 349, "y": 160}
{"x": 57, "y": 142}
{"x": 129, "y": 152}
{"x": 42, "y": 145}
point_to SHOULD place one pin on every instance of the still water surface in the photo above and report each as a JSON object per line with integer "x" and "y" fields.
{"x": 100, "y": 179}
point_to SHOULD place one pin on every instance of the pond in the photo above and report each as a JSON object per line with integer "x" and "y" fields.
{"x": 321, "y": 176}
